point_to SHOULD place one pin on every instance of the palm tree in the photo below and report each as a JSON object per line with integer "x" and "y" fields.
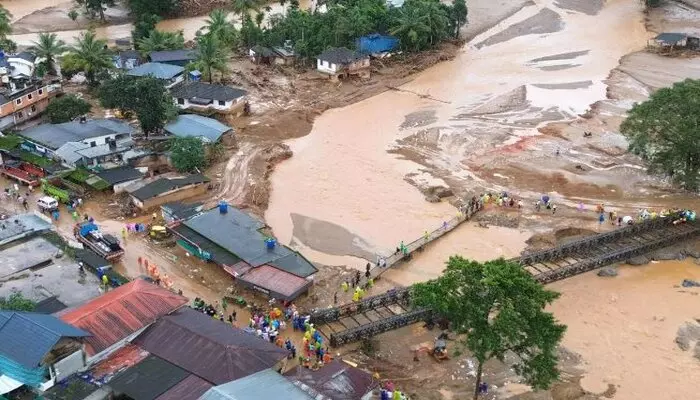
{"x": 436, "y": 19}
{"x": 92, "y": 55}
{"x": 242, "y": 7}
{"x": 412, "y": 27}
{"x": 48, "y": 47}
{"x": 219, "y": 25}
{"x": 159, "y": 41}
{"x": 5, "y": 22}
{"x": 211, "y": 56}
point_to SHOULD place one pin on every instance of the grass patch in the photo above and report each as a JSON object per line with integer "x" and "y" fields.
{"x": 79, "y": 175}
{"x": 10, "y": 142}
{"x": 35, "y": 159}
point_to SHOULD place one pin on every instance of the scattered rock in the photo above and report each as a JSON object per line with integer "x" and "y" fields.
{"x": 431, "y": 198}
{"x": 667, "y": 254}
{"x": 608, "y": 271}
{"x": 688, "y": 333}
{"x": 692, "y": 250}
{"x": 640, "y": 260}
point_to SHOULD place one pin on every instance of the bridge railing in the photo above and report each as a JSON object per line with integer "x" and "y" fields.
{"x": 325, "y": 315}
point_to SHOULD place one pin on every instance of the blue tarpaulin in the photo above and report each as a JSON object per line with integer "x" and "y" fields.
{"x": 87, "y": 228}
{"x": 376, "y": 43}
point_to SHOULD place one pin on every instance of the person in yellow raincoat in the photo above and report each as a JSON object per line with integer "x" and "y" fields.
{"x": 356, "y": 296}
{"x": 345, "y": 286}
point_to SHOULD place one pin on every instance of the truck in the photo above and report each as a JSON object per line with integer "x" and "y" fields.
{"x": 23, "y": 172}
{"x": 104, "y": 244}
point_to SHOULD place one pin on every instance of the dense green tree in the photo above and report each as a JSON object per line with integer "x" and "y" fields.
{"x": 211, "y": 55}
{"x": 146, "y": 97}
{"x": 143, "y": 26}
{"x": 92, "y": 55}
{"x": 73, "y": 15}
{"x": 187, "y": 154}
{"x": 244, "y": 7}
{"x": 412, "y": 29}
{"x": 96, "y": 7}
{"x": 48, "y": 47}
{"x": 160, "y": 40}
{"x": 665, "y": 131}
{"x": 218, "y": 25}
{"x": 5, "y": 22}
{"x": 16, "y": 302}
{"x": 161, "y": 8}
{"x": 498, "y": 309}
{"x": 458, "y": 15}
{"x": 70, "y": 65}
{"x": 66, "y": 108}
{"x": 250, "y": 33}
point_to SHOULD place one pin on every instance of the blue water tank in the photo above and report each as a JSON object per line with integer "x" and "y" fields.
{"x": 223, "y": 207}
{"x": 270, "y": 243}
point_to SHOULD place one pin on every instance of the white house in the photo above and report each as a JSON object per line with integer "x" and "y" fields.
{"x": 22, "y": 65}
{"x": 340, "y": 62}
{"x": 200, "y": 96}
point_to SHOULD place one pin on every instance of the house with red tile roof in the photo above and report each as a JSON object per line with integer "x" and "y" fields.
{"x": 120, "y": 315}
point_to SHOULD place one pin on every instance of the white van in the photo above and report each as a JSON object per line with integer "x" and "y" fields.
{"x": 47, "y": 203}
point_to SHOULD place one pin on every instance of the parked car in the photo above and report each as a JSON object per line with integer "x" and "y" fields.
{"x": 47, "y": 203}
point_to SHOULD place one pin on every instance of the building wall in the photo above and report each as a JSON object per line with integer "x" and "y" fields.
{"x": 173, "y": 195}
{"x": 29, "y": 99}
{"x": 32, "y": 111}
{"x": 227, "y": 107}
{"x": 121, "y": 187}
{"x": 358, "y": 65}
{"x": 327, "y": 67}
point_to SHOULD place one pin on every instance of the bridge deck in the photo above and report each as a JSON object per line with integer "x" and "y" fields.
{"x": 391, "y": 310}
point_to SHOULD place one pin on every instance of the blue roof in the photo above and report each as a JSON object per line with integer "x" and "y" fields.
{"x": 157, "y": 70}
{"x": 266, "y": 384}
{"x": 26, "y": 337}
{"x": 209, "y": 129}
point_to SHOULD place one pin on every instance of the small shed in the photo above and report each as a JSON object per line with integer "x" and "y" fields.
{"x": 676, "y": 40}
{"x": 284, "y": 55}
{"x": 261, "y": 54}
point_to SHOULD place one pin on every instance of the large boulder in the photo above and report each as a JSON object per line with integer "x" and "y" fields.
{"x": 607, "y": 271}
{"x": 692, "y": 250}
{"x": 639, "y": 260}
{"x": 667, "y": 254}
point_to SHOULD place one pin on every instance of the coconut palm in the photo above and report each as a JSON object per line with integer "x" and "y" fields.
{"x": 159, "y": 41}
{"x": 48, "y": 47}
{"x": 92, "y": 55}
{"x": 5, "y": 22}
{"x": 218, "y": 24}
{"x": 411, "y": 27}
{"x": 242, "y": 7}
{"x": 211, "y": 56}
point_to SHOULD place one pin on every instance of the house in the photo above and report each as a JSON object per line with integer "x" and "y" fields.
{"x": 18, "y": 105}
{"x": 120, "y": 315}
{"x": 22, "y": 226}
{"x": 87, "y": 142}
{"x": 127, "y": 60}
{"x": 676, "y": 40}
{"x": 205, "y": 97}
{"x": 336, "y": 380}
{"x": 261, "y": 54}
{"x": 233, "y": 239}
{"x": 195, "y": 342}
{"x": 120, "y": 177}
{"x": 22, "y": 65}
{"x": 179, "y": 58}
{"x": 265, "y": 384}
{"x": 37, "y": 350}
{"x": 284, "y": 55}
{"x": 164, "y": 190}
{"x": 377, "y": 44}
{"x": 169, "y": 74}
{"x": 340, "y": 62}
{"x": 208, "y": 130}
{"x": 177, "y": 211}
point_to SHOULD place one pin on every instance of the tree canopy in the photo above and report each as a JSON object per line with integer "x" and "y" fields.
{"x": 144, "y": 96}
{"x": 16, "y": 302}
{"x": 187, "y": 154}
{"x": 91, "y": 56}
{"x": 65, "y": 108}
{"x": 161, "y": 8}
{"x": 211, "y": 55}
{"x": 48, "y": 47}
{"x": 664, "y": 131}
{"x": 160, "y": 40}
{"x": 96, "y": 7}
{"x": 218, "y": 25}
{"x": 500, "y": 308}
{"x": 5, "y": 29}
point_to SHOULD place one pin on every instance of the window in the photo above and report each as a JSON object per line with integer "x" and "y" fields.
{"x": 41, "y": 91}
{"x": 93, "y": 144}
{"x": 222, "y": 103}
{"x": 29, "y": 96}
{"x": 18, "y": 101}
{"x": 20, "y": 115}
{"x": 180, "y": 101}
{"x": 33, "y": 108}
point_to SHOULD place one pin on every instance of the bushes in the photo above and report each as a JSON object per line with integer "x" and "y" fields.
{"x": 65, "y": 108}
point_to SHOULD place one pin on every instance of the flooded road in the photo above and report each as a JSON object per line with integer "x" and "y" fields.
{"x": 498, "y": 90}
{"x": 51, "y": 14}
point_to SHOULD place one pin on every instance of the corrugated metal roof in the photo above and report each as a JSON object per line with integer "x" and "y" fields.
{"x": 218, "y": 254}
{"x": 27, "y": 337}
{"x": 120, "y": 174}
{"x": 148, "y": 379}
{"x": 208, "y": 348}
{"x": 54, "y": 136}
{"x": 266, "y": 384}
{"x": 124, "y": 358}
{"x": 190, "y": 125}
{"x": 204, "y": 90}
{"x": 335, "y": 381}
{"x": 163, "y": 185}
{"x": 157, "y": 70}
{"x": 275, "y": 280}
{"x": 190, "y": 388}
{"x": 50, "y": 305}
{"x": 121, "y": 312}
{"x": 172, "y": 55}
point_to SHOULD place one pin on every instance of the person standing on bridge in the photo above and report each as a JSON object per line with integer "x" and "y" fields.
{"x": 426, "y": 236}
